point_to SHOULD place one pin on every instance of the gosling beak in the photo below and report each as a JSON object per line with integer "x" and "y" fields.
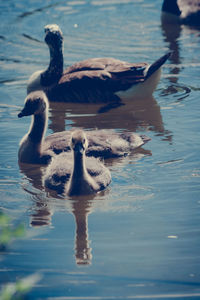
{"x": 24, "y": 113}
{"x": 79, "y": 148}
{"x": 20, "y": 115}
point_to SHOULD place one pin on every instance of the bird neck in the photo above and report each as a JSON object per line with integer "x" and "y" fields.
{"x": 79, "y": 182}
{"x": 79, "y": 171}
{"x": 55, "y": 68}
{"x": 38, "y": 127}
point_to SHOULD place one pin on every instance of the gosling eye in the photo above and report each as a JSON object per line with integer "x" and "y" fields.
{"x": 83, "y": 141}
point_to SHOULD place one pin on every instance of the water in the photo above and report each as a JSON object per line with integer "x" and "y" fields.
{"x": 139, "y": 239}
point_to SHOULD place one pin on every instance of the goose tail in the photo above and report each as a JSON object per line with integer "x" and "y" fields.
{"x": 157, "y": 64}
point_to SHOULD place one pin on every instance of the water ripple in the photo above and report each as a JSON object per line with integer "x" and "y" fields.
{"x": 180, "y": 91}
{"x": 28, "y": 13}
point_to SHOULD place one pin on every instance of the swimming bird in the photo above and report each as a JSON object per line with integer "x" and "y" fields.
{"x": 93, "y": 80}
{"x": 31, "y": 145}
{"x": 36, "y": 149}
{"x": 182, "y": 11}
{"x": 73, "y": 173}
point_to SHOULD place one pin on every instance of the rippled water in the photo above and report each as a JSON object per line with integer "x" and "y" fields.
{"x": 139, "y": 239}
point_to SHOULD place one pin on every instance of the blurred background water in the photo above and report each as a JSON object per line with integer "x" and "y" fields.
{"x": 139, "y": 239}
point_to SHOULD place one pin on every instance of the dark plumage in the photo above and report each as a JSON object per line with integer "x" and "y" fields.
{"x": 34, "y": 148}
{"x": 93, "y": 80}
{"x": 73, "y": 173}
{"x": 185, "y": 11}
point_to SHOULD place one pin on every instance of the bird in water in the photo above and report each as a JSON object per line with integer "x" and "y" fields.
{"x": 73, "y": 173}
{"x": 94, "y": 80}
{"x": 34, "y": 148}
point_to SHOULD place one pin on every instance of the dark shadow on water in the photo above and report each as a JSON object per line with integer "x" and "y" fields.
{"x": 109, "y": 107}
{"x": 139, "y": 114}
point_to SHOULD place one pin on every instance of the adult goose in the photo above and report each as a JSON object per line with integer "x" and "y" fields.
{"x": 182, "y": 11}
{"x": 73, "y": 173}
{"x": 36, "y": 149}
{"x": 93, "y": 80}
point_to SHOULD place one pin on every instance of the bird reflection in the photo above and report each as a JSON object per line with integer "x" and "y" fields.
{"x": 81, "y": 207}
{"x": 140, "y": 114}
{"x": 41, "y": 213}
{"x": 172, "y": 32}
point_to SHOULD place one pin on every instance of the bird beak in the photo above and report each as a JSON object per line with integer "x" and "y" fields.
{"x": 20, "y": 115}
{"x": 24, "y": 113}
{"x": 79, "y": 148}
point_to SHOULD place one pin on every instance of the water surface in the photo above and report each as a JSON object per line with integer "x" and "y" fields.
{"x": 140, "y": 238}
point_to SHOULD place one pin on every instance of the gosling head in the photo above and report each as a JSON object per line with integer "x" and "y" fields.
{"x": 53, "y": 36}
{"x": 79, "y": 142}
{"x": 35, "y": 103}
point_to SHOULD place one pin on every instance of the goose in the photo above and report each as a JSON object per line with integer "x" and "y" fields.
{"x": 182, "y": 11}
{"x": 74, "y": 174}
{"x": 93, "y": 80}
{"x": 31, "y": 145}
{"x": 34, "y": 148}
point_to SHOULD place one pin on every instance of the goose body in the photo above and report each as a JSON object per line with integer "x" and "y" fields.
{"x": 182, "y": 11}
{"x": 93, "y": 80}
{"x": 36, "y": 149}
{"x": 73, "y": 173}
{"x": 104, "y": 143}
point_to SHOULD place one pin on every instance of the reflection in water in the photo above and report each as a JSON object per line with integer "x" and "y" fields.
{"x": 81, "y": 207}
{"x": 172, "y": 32}
{"x": 34, "y": 174}
{"x": 42, "y": 208}
{"x": 41, "y": 213}
{"x": 139, "y": 114}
